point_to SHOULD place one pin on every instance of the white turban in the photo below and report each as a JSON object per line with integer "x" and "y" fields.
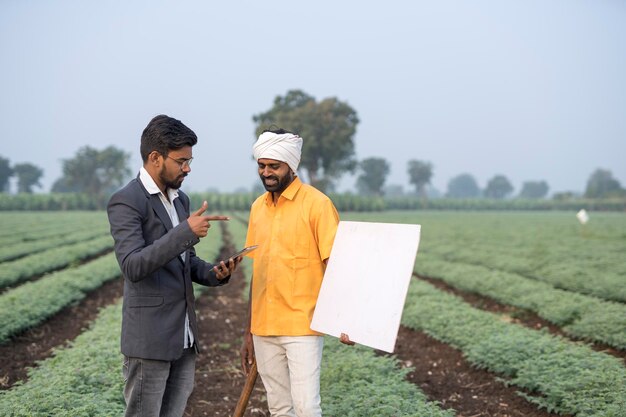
{"x": 285, "y": 147}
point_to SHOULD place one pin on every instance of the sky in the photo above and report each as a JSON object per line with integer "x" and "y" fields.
{"x": 530, "y": 89}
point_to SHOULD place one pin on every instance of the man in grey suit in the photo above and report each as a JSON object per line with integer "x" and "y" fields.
{"x": 154, "y": 243}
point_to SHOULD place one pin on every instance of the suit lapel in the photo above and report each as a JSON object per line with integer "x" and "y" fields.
{"x": 182, "y": 217}
{"x": 157, "y": 206}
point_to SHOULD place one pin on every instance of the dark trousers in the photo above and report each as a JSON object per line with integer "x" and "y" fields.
{"x": 158, "y": 388}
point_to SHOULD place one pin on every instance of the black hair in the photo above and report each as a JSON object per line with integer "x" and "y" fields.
{"x": 164, "y": 134}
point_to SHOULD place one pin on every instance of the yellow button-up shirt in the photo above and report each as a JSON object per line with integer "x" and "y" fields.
{"x": 295, "y": 236}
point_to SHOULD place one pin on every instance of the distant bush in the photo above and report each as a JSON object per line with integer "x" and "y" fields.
{"x": 50, "y": 202}
{"x": 343, "y": 202}
{"x": 414, "y": 203}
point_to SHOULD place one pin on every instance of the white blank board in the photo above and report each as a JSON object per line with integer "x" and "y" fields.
{"x": 366, "y": 281}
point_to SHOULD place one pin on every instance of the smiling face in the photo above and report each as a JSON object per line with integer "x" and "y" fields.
{"x": 275, "y": 175}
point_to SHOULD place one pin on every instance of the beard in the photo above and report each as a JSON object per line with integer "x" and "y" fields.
{"x": 169, "y": 182}
{"x": 276, "y": 184}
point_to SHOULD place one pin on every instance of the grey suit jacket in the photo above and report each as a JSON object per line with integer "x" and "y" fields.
{"x": 157, "y": 283}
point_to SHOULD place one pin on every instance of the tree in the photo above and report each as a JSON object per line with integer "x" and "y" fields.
{"x": 601, "y": 184}
{"x": 463, "y": 186}
{"x": 498, "y": 187}
{"x": 28, "y": 176}
{"x": 420, "y": 173}
{"x": 373, "y": 177}
{"x": 534, "y": 189}
{"x": 94, "y": 172}
{"x": 6, "y": 172}
{"x": 327, "y": 128}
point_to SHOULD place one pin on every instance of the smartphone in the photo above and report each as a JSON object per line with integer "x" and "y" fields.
{"x": 239, "y": 253}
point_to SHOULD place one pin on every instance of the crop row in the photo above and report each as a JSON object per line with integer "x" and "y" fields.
{"x": 26, "y": 226}
{"x": 565, "y": 377}
{"x": 82, "y": 380}
{"x": 33, "y": 302}
{"x": 16, "y": 271}
{"x": 19, "y": 249}
{"x": 30, "y": 234}
{"x": 594, "y": 271}
{"x": 579, "y": 315}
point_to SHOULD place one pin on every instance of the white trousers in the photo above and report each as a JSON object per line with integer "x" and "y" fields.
{"x": 290, "y": 370}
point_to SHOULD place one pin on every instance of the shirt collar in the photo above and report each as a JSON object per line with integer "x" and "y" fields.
{"x": 148, "y": 182}
{"x": 289, "y": 193}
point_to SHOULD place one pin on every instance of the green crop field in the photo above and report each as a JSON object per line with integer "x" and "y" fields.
{"x": 544, "y": 263}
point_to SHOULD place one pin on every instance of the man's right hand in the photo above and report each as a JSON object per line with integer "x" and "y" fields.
{"x": 199, "y": 223}
{"x": 247, "y": 353}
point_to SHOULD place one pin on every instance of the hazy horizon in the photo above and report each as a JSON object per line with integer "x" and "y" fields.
{"x": 532, "y": 90}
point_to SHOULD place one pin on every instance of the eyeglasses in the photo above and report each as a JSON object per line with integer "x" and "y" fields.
{"x": 182, "y": 163}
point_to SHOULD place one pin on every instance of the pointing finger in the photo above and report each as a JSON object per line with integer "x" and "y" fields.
{"x": 212, "y": 218}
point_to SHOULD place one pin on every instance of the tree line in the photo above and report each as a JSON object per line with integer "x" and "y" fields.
{"x": 329, "y": 127}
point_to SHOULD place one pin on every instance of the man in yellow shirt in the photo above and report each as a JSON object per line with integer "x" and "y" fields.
{"x": 294, "y": 225}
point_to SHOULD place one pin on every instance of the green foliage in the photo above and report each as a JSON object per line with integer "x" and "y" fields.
{"x": 420, "y": 173}
{"x": 33, "y": 302}
{"x": 498, "y": 187}
{"x": 487, "y": 204}
{"x": 463, "y": 186}
{"x": 54, "y": 201}
{"x": 601, "y": 184}
{"x": 534, "y": 189}
{"x": 24, "y": 226}
{"x": 28, "y": 176}
{"x": 6, "y": 172}
{"x": 490, "y": 249}
{"x": 570, "y": 378}
{"x": 579, "y": 315}
{"x": 352, "y": 202}
{"x": 96, "y": 173}
{"x": 242, "y": 201}
{"x": 83, "y": 379}
{"x": 357, "y": 383}
{"x": 327, "y": 128}
{"x": 374, "y": 172}
{"x": 18, "y": 249}
{"x": 16, "y": 271}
